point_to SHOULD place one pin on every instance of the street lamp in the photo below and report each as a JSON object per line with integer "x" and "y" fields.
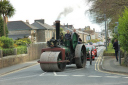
{"x": 105, "y": 31}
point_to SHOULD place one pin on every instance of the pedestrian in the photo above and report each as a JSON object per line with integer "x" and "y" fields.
{"x": 115, "y": 46}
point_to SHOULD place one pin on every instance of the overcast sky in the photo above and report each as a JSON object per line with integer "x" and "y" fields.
{"x": 67, "y": 11}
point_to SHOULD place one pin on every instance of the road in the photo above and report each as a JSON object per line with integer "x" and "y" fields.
{"x": 90, "y": 75}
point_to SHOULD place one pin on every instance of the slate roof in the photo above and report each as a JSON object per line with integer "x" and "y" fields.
{"x": 42, "y": 25}
{"x": 71, "y": 30}
{"x": 19, "y": 25}
{"x": 18, "y": 36}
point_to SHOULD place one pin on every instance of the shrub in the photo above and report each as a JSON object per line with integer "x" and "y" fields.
{"x": 8, "y": 51}
{"x": 123, "y": 29}
{"x": 93, "y": 40}
{"x": 22, "y": 42}
{"x": 1, "y": 44}
{"x": 22, "y": 50}
{"x": 8, "y": 42}
{"x": 15, "y": 45}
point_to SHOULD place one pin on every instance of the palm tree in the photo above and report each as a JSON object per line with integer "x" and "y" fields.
{"x": 6, "y": 10}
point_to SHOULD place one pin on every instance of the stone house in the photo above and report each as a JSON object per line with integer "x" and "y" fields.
{"x": 82, "y": 35}
{"x": 43, "y": 31}
{"x": 19, "y": 29}
{"x": 39, "y": 31}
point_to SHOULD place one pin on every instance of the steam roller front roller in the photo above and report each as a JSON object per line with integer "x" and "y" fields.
{"x": 51, "y": 62}
{"x": 80, "y": 56}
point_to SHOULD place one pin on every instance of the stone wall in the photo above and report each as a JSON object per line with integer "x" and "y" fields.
{"x": 34, "y": 52}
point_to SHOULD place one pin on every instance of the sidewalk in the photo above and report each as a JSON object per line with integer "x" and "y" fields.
{"x": 110, "y": 64}
{"x": 17, "y": 67}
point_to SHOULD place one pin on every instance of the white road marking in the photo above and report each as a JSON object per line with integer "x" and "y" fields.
{"x": 42, "y": 74}
{"x": 113, "y": 76}
{"x": 55, "y": 73}
{"x": 61, "y": 75}
{"x": 125, "y": 77}
{"x": 94, "y": 76}
{"x": 78, "y": 75}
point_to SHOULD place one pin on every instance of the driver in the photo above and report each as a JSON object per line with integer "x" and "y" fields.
{"x": 68, "y": 35}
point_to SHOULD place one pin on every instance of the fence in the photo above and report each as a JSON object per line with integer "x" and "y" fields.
{"x": 33, "y": 52}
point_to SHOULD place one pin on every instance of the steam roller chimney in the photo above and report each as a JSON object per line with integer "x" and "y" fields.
{"x": 57, "y": 29}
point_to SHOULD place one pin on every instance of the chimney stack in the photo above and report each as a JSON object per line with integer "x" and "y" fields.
{"x": 27, "y": 21}
{"x": 57, "y": 29}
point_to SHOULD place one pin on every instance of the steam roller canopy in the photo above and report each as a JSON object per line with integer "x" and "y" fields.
{"x": 51, "y": 58}
{"x": 74, "y": 40}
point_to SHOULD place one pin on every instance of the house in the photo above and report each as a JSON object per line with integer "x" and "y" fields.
{"x": 82, "y": 35}
{"x": 19, "y": 29}
{"x": 39, "y": 31}
{"x": 90, "y": 32}
{"x": 43, "y": 32}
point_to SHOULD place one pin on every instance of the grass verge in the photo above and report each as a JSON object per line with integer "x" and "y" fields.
{"x": 110, "y": 49}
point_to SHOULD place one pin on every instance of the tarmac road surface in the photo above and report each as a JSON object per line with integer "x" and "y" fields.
{"x": 90, "y": 75}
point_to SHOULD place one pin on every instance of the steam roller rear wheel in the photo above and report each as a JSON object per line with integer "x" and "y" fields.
{"x": 51, "y": 57}
{"x": 80, "y": 54}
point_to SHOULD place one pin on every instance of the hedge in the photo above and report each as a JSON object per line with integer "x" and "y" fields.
{"x": 22, "y": 50}
{"x": 8, "y": 51}
{"x": 7, "y": 42}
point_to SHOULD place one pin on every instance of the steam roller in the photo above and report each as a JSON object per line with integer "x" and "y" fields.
{"x": 62, "y": 52}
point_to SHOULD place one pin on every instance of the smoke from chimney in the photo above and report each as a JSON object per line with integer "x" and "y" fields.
{"x": 66, "y": 11}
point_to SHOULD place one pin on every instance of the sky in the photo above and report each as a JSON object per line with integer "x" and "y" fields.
{"x": 67, "y": 11}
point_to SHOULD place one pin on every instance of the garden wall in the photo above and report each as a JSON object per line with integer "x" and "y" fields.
{"x": 34, "y": 52}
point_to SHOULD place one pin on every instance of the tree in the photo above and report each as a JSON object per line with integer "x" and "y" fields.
{"x": 6, "y": 10}
{"x": 61, "y": 30}
{"x": 112, "y": 9}
{"x": 123, "y": 29}
{"x": 1, "y": 27}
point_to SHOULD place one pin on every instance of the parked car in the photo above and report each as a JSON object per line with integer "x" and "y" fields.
{"x": 87, "y": 44}
{"x": 90, "y": 43}
{"x": 100, "y": 43}
{"x": 95, "y": 44}
{"x": 95, "y": 51}
{"x": 90, "y": 48}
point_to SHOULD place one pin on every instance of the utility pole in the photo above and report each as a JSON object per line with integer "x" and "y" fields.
{"x": 105, "y": 31}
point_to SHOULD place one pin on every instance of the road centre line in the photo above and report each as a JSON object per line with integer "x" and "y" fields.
{"x": 113, "y": 76}
{"x": 94, "y": 76}
{"x": 78, "y": 75}
{"x": 42, "y": 74}
{"x": 125, "y": 77}
{"x": 55, "y": 73}
{"x": 61, "y": 75}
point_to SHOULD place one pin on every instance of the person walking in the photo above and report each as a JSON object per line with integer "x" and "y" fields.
{"x": 115, "y": 46}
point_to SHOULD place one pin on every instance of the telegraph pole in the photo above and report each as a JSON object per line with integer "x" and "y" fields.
{"x": 105, "y": 31}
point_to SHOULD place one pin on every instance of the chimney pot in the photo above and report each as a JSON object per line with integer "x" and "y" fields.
{"x": 27, "y": 21}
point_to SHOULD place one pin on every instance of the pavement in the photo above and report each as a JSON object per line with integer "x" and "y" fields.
{"x": 110, "y": 64}
{"x": 17, "y": 67}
